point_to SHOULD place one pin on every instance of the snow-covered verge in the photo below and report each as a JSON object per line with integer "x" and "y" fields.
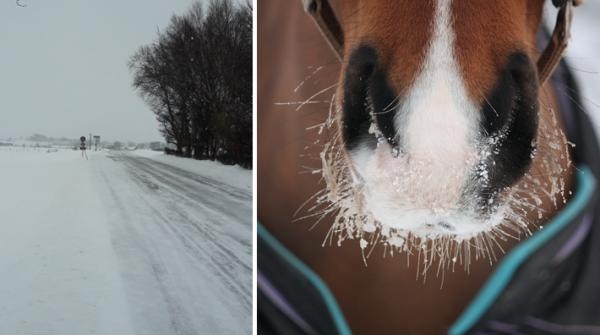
{"x": 58, "y": 270}
{"x": 228, "y": 174}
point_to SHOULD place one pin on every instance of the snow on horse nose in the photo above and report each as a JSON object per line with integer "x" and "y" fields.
{"x": 417, "y": 180}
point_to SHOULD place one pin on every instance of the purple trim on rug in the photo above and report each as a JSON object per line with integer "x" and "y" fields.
{"x": 556, "y": 328}
{"x": 574, "y": 240}
{"x": 504, "y": 328}
{"x": 281, "y": 302}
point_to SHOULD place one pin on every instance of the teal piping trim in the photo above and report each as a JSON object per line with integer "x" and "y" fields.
{"x": 586, "y": 185}
{"x": 330, "y": 302}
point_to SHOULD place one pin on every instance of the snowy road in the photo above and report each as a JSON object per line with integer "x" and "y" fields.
{"x": 150, "y": 248}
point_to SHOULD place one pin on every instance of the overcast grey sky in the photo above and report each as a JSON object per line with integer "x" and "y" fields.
{"x": 63, "y": 66}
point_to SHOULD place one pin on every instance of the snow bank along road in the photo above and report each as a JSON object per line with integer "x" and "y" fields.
{"x": 120, "y": 244}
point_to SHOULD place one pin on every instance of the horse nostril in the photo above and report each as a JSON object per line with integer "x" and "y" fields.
{"x": 509, "y": 123}
{"x": 367, "y": 98}
{"x": 514, "y": 90}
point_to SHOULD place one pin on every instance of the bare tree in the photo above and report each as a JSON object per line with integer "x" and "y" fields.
{"x": 197, "y": 79}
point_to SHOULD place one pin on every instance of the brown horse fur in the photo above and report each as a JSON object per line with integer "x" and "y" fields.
{"x": 296, "y": 69}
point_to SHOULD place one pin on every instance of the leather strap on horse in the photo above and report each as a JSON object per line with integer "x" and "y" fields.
{"x": 325, "y": 19}
{"x": 323, "y": 15}
{"x": 551, "y": 56}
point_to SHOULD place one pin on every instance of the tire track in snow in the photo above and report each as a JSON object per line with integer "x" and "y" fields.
{"x": 225, "y": 188}
{"x": 223, "y": 260}
{"x": 195, "y": 195}
{"x": 209, "y": 196}
{"x": 179, "y": 320}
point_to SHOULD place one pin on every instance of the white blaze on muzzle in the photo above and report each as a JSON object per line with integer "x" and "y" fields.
{"x": 428, "y": 183}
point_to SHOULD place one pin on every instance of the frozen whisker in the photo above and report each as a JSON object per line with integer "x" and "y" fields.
{"x": 294, "y": 103}
{"x": 317, "y": 69}
{"x": 315, "y": 95}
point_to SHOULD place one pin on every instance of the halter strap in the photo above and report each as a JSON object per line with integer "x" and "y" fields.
{"x": 329, "y": 26}
{"x": 551, "y": 56}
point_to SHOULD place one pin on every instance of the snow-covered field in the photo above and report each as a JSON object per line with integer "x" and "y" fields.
{"x": 122, "y": 244}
